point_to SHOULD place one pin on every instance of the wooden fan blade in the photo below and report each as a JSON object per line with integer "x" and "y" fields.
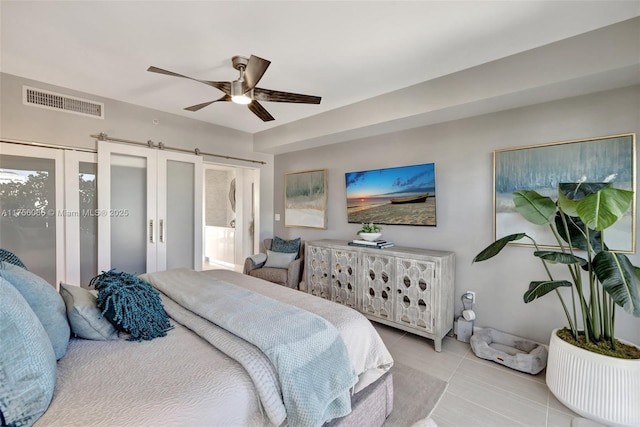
{"x": 277, "y": 96}
{"x": 223, "y": 86}
{"x": 260, "y": 111}
{"x": 254, "y": 72}
{"x": 206, "y": 104}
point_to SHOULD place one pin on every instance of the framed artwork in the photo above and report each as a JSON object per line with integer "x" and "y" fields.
{"x": 542, "y": 167}
{"x": 305, "y": 199}
{"x": 403, "y": 195}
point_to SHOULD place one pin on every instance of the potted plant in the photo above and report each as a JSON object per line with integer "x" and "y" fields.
{"x": 370, "y": 231}
{"x": 600, "y": 279}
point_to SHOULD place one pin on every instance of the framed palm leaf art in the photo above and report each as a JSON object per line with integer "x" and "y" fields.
{"x": 542, "y": 167}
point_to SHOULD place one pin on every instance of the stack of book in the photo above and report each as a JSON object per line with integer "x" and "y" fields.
{"x": 379, "y": 243}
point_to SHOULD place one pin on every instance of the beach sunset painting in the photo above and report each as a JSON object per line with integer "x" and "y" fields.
{"x": 404, "y": 195}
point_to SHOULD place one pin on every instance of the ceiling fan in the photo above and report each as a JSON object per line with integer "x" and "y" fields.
{"x": 244, "y": 90}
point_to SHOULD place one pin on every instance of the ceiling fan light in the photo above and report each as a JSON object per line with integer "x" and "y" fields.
{"x": 237, "y": 93}
{"x": 241, "y": 99}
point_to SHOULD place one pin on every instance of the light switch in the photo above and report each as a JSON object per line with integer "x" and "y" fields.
{"x": 277, "y": 217}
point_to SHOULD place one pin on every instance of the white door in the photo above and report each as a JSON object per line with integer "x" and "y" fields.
{"x": 180, "y": 206}
{"x": 32, "y": 208}
{"x": 81, "y": 221}
{"x": 150, "y": 209}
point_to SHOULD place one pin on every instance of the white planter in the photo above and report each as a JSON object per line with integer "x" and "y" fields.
{"x": 602, "y": 388}
{"x": 370, "y": 236}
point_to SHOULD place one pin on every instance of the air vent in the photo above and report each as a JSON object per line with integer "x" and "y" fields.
{"x": 56, "y": 101}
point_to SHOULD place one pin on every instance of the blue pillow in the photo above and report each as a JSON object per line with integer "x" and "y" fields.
{"x": 27, "y": 360}
{"x": 45, "y": 302}
{"x": 286, "y": 246}
{"x": 131, "y": 305}
{"x": 11, "y": 258}
{"x": 85, "y": 318}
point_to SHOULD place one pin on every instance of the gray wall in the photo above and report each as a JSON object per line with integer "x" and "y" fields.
{"x": 128, "y": 121}
{"x": 462, "y": 153}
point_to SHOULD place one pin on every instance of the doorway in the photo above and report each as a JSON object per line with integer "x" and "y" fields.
{"x": 230, "y": 212}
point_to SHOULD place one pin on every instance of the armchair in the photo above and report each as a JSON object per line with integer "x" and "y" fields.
{"x": 288, "y": 274}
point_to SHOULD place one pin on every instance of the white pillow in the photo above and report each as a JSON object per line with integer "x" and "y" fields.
{"x": 279, "y": 259}
{"x": 258, "y": 258}
{"x": 85, "y": 317}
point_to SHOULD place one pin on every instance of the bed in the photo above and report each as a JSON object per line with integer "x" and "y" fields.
{"x": 182, "y": 379}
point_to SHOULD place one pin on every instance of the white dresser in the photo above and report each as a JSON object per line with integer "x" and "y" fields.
{"x": 407, "y": 288}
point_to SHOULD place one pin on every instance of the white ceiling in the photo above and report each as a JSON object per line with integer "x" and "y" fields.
{"x": 344, "y": 52}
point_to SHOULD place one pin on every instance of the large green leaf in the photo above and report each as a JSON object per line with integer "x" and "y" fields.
{"x": 495, "y": 248}
{"x": 560, "y": 257}
{"x": 603, "y": 208}
{"x": 534, "y": 207}
{"x": 620, "y": 279}
{"x": 569, "y": 193}
{"x": 576, "y": 235}
{"x": 579, "y": 190}
{"x": 539, "y": 289}
{"x": 567, "y": 205}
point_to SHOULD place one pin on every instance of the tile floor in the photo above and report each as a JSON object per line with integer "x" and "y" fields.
{"x": 480, "y": 392}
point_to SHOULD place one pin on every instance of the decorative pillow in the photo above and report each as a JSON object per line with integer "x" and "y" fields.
{"x": 44, "y": 301}
{"x": 27, "y": 360}
{"x": 258, "y": 258}
{"x": 131, "y": 305}
{"x": 287, "y": 246}
{"x": 279, "y": 259}
{"x": 85, "y": 317}
{"x": 11, "y": 258}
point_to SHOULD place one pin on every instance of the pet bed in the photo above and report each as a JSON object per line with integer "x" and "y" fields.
{"x": 509, "y": 350}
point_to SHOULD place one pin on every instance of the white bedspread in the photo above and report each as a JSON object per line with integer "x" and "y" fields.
{"x": 180, "y": 379}
{"x": 177, "y": 380}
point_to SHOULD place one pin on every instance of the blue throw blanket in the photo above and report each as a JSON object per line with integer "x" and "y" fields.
{"x": 307, "y": 351}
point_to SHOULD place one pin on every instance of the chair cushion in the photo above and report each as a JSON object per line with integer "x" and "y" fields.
{"x": 27, "y": 360}
{"x": 85, "y": 317}
{"x": 286, "y": 246}
{"x": 274, "y": 275}
{"x": 45, "y": 302}
{"x": 279, "y": 259}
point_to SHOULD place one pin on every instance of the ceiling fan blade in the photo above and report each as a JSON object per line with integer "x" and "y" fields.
{"x": 277, "y": 96}
{"x": 206, "y": 104}
{"x": 260, "y": 111}
{"x": 223, "y": 86}
{"x": 168, "y": 73}
{"x": 254, "y": 72}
